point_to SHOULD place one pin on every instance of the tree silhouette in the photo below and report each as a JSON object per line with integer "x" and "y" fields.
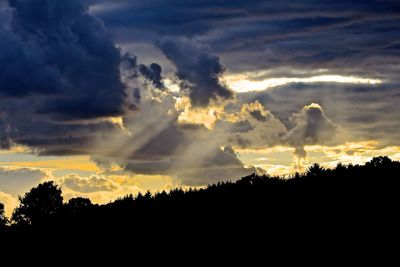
{"x": 38, "y": 205}
{"x": 382, "y": 161}
{"x": 315, "y": 170}
{"x": 78, "y": 204}
{"x": 3, "y": 219}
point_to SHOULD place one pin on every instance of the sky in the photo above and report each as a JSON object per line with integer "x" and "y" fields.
{"x": 109, "y": 98}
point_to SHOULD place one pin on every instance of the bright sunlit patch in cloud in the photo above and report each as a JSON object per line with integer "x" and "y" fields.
{"x": 16, "y": 149}
{"x": 206, "y": 116}
{"x": 172, "y": 85}
{"x": 242, "y": 84}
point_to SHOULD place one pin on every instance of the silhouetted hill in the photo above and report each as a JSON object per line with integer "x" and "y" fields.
{"x": 353, "y": 203}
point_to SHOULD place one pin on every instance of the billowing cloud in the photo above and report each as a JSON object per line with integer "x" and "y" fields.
{"x": 311, "y": 127}
{"x": 94, "y": 183}
{"x": 251, "y": 126}
{"x": 363, "y": 112}
{"x": 59, "y": 65}
{"x": 195, "y": 154}
{"x": 58, "y": 48}
{"x": 153, "y": 73}
{"x": 198, "y": 68}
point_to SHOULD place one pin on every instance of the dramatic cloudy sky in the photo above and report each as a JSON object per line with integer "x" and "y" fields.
{"x": 110, "y": 97}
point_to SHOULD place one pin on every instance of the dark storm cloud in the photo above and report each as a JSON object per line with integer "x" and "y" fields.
{"x": 59, "y": 64}
{"x": 359, "y": 48}
{"x": 20, "y": 125}
{"x": 24, "y": 70}
{"x": 346, "y": 36}
{"x": 176, "y": 17}
{"x": 198, "y": 68}
{"x": 4, "y": 14}
{"x": 56, "y": 48}
{"x": 195, "y": 17}
{"x": 153, "y": 73}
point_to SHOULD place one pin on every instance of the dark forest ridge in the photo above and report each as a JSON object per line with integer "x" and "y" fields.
{"x": 346, "y": 196}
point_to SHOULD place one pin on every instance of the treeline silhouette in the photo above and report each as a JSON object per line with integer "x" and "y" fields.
{"x": 362, "y": 200}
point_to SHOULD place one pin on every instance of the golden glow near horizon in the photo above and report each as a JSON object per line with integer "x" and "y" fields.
{"x": 277, "y": 160}
{"x": 84, "y": 171}
{"x": 280, "y": 160}
{"x": 242, "y": 83}
{"x": 350, "y": 152}
{"x": 81, "y": 163}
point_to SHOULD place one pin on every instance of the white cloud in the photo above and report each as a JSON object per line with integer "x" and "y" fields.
{"x": 241, "y": 84}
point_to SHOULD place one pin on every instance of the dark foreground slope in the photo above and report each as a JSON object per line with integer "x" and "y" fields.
{"x": 346, "y": 204}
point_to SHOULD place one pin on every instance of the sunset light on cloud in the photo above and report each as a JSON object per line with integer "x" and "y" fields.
{"x": 110, "y": 98}
{"x": 242, "y": 85}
